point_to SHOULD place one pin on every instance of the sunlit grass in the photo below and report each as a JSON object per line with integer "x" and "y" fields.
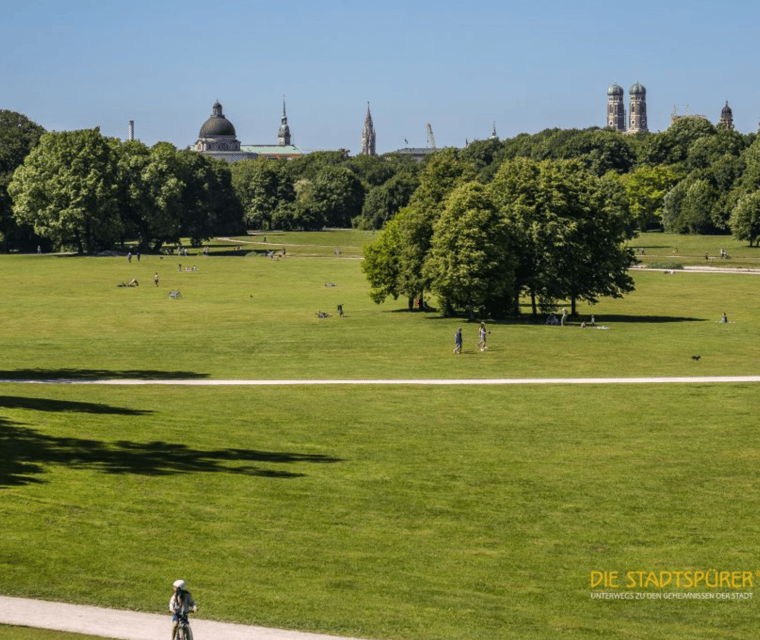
{"x": 374, "y": 511}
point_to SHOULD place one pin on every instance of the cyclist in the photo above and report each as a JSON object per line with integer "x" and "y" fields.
{"x": 180, "y": 604}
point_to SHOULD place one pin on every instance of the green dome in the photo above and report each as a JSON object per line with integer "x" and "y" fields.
{"x": 638, "y": 90}
{"x": 615, "y": 90}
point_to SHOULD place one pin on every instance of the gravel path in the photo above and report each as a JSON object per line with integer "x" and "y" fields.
{"x": 130, "y": 625}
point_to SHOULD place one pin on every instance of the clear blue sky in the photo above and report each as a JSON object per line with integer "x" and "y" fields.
{"x": 460, "y": 65}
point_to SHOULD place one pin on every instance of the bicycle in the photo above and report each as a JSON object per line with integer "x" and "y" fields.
{"x": 183, "y": 627}
{"x": 175, "y": 295}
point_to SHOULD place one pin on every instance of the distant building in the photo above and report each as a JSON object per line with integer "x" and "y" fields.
{"x": 368, "y": 135}
{"x": 726, "y": 118}
{"x": 675, "y": 116}
{"x": 418, "y": 153}
{"x": 283, "y": 149}
{"x": 217, "y": 138}
{"x": 637, "y": 116}
{"x": 637, "y": 120}
{"x": 283, "y": 135}
{"x": 616, "y": 108}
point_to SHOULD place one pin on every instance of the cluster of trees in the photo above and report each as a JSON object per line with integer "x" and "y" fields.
{"x": 548, "y": 229}
{"x": 79, "y": 189}
{"x": 324, "y": 189}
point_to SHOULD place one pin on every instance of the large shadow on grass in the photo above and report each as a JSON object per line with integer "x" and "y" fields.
{"x": 60, "y": 406}
{"x": 63, "y": 375}
{"x": 26, "y": 453}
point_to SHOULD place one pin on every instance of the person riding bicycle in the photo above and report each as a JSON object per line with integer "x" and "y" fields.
{"x": 180, "y": 605}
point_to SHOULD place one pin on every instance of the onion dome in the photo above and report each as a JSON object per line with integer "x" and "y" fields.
{"x": 615, "y": 90}
{"x": 217, "y": 125}
{"x": 638, "y": 90}
{"x": 726, "y": 111}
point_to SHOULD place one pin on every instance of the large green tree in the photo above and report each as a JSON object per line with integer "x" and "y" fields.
{"x": 471, "y": 263}
{"x": 571, "y": 228}
{"x": 745, "y": 218}
{"x": 646, "y": 188}
{"x": 382, "y": 264}
{"x": 382, "y": 203}
{"x": 18, "y": 136}
{"x": 262, "y": 185}
{"x": 67, "y": 189}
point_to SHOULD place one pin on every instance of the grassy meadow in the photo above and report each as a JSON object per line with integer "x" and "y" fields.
{"x": 400, "y": 512}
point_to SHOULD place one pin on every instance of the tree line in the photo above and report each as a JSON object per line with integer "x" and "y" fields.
{"x": 82, "y": 190}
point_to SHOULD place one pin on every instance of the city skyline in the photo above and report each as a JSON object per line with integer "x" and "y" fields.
{"x": 461, "y": 67}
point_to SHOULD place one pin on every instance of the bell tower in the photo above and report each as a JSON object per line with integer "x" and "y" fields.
{"x": 637, "y": 109}
{"x": 283, "y": 135}
{"x": 616, "y": 108}
{"x": 726, "y": 118}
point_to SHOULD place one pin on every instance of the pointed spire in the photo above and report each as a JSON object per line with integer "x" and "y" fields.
{"x": 283, "y": 135}
{"x": 368, "y": 135}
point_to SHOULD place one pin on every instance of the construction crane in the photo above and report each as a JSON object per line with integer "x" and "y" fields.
{"x": 430, "y": 138}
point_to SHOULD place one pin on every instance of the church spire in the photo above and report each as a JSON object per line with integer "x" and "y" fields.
{"x": 283, "y": 135}
{"x": 368, "y": 135}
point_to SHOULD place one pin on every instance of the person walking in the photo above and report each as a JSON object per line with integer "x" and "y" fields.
{"x": 458, "y": 341}
{"x": 155, "y": 278}
{"x": 482, "y": 334}
{"x": 180, "y": 604}
{"x": 563, "y": 321}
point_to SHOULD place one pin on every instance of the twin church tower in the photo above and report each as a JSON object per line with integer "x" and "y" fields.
{"x": 637, "y": 118}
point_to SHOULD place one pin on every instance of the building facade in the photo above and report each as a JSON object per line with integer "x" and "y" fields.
{"x": 218, "y": 139}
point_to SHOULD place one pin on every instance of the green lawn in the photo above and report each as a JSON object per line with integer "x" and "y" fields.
{"x": 691, "y": 250}
{"x": 375, "y": 511}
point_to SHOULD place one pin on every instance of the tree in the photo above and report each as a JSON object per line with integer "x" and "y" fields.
{"x": 209, "y": 204}
{"x": 261, "y": 185}
{"x": 471, "y": 263}
{"x": 646, "y": 188}
{"x": 337, "y": 196}
{"x": 687, "y": 207}
{"x": 67, "y": 190}
{"x": 18, "y": 136}
{"x": 745, "y": 218}
{"x": 381, "y": 264}
{"x": 443, "y": 172}
{"x": 571, "y": 227}
{"x": 672, "y": 145}
{"x": 382, "y": 203}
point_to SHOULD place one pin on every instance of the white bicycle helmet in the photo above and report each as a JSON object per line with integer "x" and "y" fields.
{"x": 179, "y": 584}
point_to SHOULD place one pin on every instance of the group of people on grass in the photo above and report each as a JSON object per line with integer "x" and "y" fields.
{"x": 482, "y": 336}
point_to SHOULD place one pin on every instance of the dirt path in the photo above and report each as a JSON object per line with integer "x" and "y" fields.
{"x": 130, "y": 625}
